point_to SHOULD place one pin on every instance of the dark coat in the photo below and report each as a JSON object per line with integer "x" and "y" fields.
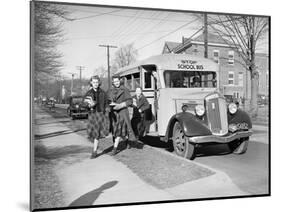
{"x": 119, "y": 95}
{"x": 140, "y": 120}
{"x": 142, "y": 103}
{"x": 120, "y": 119}
{"x": 98, "y": 124}
{"x": 101, "y": 99}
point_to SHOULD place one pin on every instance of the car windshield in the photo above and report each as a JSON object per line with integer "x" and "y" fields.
{"x": 77, "y": 100}
{"x": 190, "y": 79}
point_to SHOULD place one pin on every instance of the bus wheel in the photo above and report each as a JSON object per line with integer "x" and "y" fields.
{"x": 181, "y": 144}
{"x": 240, "y": 146}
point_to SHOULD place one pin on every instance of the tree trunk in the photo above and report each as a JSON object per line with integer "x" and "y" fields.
{"x": 254, "y": 93}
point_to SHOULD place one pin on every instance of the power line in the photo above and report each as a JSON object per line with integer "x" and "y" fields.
{"x": 196, "y": 32}
{"x": 129, "y": 16}
{"x": 168, "y": 33}
{"x": 122, "y": 35}
{"x": 92, "y": 16}
{"x": 142, "y": 23}
{"x": 152, "y": 27}
{"x": 126, "y": 25}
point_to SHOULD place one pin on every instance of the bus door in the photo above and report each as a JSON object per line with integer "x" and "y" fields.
{"x": 148, "y": 87}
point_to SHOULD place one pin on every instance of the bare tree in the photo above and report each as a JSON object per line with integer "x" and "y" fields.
{"x": 101, "y": 71}
{"x": 242, "y": 33}
{"x": 48, "y": 33}
{"x": 125, "y": 55}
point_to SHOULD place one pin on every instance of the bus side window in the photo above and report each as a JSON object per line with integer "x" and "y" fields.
{"x": 128, "y": 82}
{"x": 136, "y": 80}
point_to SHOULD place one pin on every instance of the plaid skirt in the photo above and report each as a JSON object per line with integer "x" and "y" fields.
{"x": 98, "y": 125}
{"x": 118, "y": 125}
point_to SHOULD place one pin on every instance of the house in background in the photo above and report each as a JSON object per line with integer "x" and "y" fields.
{"x": 234, "y": 80}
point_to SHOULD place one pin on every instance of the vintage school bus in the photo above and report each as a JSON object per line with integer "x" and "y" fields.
{"x": 188, "y": 110}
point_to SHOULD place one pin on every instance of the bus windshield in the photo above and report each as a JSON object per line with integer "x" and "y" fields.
{"x": 190, "y": 79}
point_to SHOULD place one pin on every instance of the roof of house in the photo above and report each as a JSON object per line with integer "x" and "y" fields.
{"x": 171, "y": 45}
{"x": 212, "y": 38}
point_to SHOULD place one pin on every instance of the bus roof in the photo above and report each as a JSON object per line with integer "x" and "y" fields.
{"x": 173, "y": 62}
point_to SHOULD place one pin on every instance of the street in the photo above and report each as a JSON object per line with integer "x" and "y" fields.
{"x": 62, "y": 149}
{"x": 248, "y": 171}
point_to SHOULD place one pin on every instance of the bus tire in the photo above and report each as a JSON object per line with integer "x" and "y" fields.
{"x": 239, "y": 147}
{"x": 181, "y": 144}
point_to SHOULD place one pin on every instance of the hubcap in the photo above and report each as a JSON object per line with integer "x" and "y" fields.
{"x": 179, "y": 140}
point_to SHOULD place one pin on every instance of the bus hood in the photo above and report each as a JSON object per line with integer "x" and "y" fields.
{"x": 177, "y": 97}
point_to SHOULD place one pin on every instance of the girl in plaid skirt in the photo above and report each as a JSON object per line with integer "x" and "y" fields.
{"x": 98, "y": 124}
{"x": 120, "y": 99}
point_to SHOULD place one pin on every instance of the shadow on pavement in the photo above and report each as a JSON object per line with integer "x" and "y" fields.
{"x": 122, "y": 146}
{"x": 213, "y": 150}
{"x": 156, "y": 142}
{"x": 90, "y": 197}
{"x": 201, "y": 151}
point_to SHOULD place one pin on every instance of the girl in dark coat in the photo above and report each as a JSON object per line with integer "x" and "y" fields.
{"x": 98, "y": 125}
{"x": 120, "y": 99}
{"x": 141, "y": 109}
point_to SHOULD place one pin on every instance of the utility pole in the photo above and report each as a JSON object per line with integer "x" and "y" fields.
{"x": 205, "y": 35}
{"x": 80, "y": 68}
{"x": 108, "y": 65}
{"x": 72, "y": 78}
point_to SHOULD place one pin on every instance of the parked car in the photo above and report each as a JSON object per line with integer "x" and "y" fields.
{"x": 51, "y": 103}
{"x": 77, "y": 108}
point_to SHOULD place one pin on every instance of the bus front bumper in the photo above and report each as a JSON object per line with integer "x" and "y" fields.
{"x": 222, "y": 139}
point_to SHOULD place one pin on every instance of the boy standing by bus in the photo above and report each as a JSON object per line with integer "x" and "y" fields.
{"x": 140, "y": 113}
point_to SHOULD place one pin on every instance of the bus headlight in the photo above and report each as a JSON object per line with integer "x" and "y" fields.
{"x": 232, "y": 107}
{"x": 184, "y": 108}
{"x": 199, "y": 110}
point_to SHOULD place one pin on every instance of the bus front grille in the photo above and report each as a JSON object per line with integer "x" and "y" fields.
{"x": 217, "y": 115}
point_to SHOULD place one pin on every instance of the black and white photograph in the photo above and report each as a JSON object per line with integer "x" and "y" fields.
{"x": 137, "y": 105}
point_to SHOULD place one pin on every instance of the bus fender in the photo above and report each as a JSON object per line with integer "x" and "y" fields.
{"x": 240, "y": 117}
{"x": 191, "y": 125}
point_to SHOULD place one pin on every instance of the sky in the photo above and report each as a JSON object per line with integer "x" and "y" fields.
{"x": 93, "y": 26}
{"x": 147, "y": 30}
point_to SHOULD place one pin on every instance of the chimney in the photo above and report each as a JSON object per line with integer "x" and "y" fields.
{"x": 182, "y": 40}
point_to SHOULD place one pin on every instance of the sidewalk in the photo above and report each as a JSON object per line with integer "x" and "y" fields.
{"x": 106, "y": 181}
{"x": 100, "y": 181}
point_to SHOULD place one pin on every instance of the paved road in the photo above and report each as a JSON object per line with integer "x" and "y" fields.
{"x": 248, "y": 171}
